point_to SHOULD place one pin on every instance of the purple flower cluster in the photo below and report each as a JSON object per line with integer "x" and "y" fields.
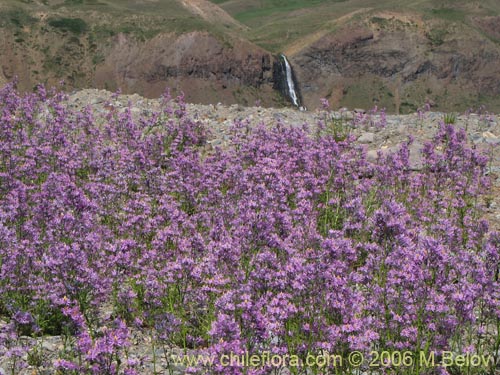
{"x": 282, "y": 241}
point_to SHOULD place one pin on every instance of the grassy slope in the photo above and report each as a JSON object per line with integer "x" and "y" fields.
{"x": 54, "y": 36}
{"x": 171, "y": 7}
{"x": 108, "y": 17}
{"x": 276, "y": 24}
{"x": 273, "y": 24}
{"x": 290, "y": 25}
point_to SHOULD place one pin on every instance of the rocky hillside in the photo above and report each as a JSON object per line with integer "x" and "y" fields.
{"x": 404, "y": 60}
{"x": 143, "y": 47}
{"x": 396, "y": 54}
{"x": 357, "y": 53}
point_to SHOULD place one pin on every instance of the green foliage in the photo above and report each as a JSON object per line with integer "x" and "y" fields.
{"x": 35, "y": 356}
{"x": 98, "y": 58}
{"x": 50, "y": 320}
{"x": 339, "y": 128}
{"x": 449, "y": 14}
{"x": 379, "y": 21}
{"x": 82, "y": 2}
{"x": 436, "y": 36}
{"x": 75, "y": 25}
{"x": 102, "y": 32}
{"x": 408, "y": 107}
{"x": 450, "y": 118}
{"x": 275, "y": 7}
{"x": 17, "y": 18}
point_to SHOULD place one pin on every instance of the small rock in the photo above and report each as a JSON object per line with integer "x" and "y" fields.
{"x": 402, "y": 129}
{"x": 476, "y": 138}
{"x": 489, "y": 137}
{"x": 49, "y": 346}
{"x": 366, "y": 138}
{"x": 372, "y": 155}
{"x": 415, "y": 158}
{"x": 494, "y": 170}
{"x": 492, "y": 141}
{"x": 97, "y": 100}
{"x": 485, "y": 137}
{"x": 215, "y": 142}
{"x": 348, "y": 115}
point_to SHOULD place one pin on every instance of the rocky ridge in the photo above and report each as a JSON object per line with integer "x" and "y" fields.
{"x": 483, "y": 128}
{"x": 403, "y": 59}
{"x": 483, "y": 132}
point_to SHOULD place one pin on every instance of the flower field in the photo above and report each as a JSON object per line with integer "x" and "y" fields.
{"x": 288, "y": 241}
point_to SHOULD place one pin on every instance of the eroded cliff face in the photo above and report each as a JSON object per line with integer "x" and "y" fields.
{"x": 199, "y": 64}
{"x": 208, "y": 69}
{"x": 399, "y": 64}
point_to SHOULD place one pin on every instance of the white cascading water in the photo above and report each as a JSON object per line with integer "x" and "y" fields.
{"x": 289, "y": 80}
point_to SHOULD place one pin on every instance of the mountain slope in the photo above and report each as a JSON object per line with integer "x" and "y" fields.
{"x": 395, "y": 54}
{"x": 358, "y": 53}
{"x": 138, "y": 46}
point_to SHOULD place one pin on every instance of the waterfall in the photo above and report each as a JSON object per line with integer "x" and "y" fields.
{"x": 289, "y": 81}
{"x": 285, "y": 82}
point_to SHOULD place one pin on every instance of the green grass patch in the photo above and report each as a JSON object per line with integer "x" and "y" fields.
{"x": 379, "y": 21}
{"x": 368, "y": 94}
{"x": 407, "y": 107}
{"x": 449, "y": 14}
{"x": 74, "y": 25}
{"x": 17, "y": 18}
{"x": 437, "y": 36}
{"x": 273, "y": 7}
{"x": 83, "y": 2}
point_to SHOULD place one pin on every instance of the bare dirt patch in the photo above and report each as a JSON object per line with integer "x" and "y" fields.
{"x": 211, "y": 13}
{"x": 489, "y": 25}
